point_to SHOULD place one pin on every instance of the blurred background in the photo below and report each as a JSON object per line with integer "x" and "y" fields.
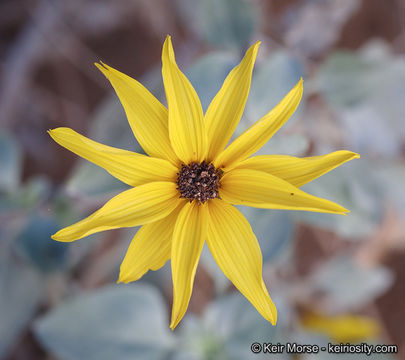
{"x": 333, "y": 278}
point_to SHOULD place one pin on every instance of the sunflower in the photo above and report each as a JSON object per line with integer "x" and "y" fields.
{"x": 184, "y": 192}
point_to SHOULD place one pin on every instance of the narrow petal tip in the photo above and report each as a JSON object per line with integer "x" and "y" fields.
{"x": 61, "y": 236}
{"x": 254, "y": 48}
{"x": 271, "y": 314}
{"x": 256, "y": 45}
{"x": 57, "y": 133}
{"x": 273, "y": 319}
{"x": 125, "y": 280}
{"x": 343, "y": 211}
{"x": 102, "y": 67}
{"x": 123, "y": 277}
{"x": 52, "y": 132}
{"x": 175, "y": 321}
{"x": 55, "y": 237}
{"x": 58, "y": 236}
{"x": 300, "y": 88}
{"x": 300, "y": 85}
{"x": 350, "y": 155}
{"x": 251, "y": 53}
{"x": 120, "y": 280}
{"x": 168, "y": 49}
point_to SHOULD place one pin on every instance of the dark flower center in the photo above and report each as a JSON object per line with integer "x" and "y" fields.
{"x": 198, "y": 181}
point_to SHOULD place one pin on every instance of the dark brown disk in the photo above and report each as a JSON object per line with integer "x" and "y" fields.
{"x": 199, "y": 181}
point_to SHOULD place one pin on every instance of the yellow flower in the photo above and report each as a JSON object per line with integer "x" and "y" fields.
{"x": 183, "y": 192}
{"x": 342, "y": 328}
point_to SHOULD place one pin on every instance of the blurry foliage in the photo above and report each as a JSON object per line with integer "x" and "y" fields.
{"x": 23, "y": 236}
{"x": 36, "y": 245}
{"x": 274, "y": 231}
{"x": 115, "y": 322}
{"x": 366, "y": 90}
{"x": 304, "y": 31}
{"x": 225, "y": 330}
{"x": 347, "y": 285}
{"x": 223, "y": 23}
{"x": 357, "y": 187}
{"x": 209, "y": 72}
{"x": 363, "y": 93}
{"x": 273, "y": 78}
{"x": 22, "y": 289}
{"x": 10, "y": 162}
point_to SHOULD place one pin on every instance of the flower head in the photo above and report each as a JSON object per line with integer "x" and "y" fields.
{"x": 183, "y": 192}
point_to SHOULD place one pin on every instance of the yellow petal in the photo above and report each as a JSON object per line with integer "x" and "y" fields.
{"x": 146, "y": 115}
{"x": 342, "y": 328}
{"x": 260, "y": 132}
{"x": 226, "y": 108}
{"x": 258, "y": 189}
{"x": 237, "y": 252}
{"x": 186, "y": 124}
{"x": 297, "y": 171}
{"x": 141, "y": 205}
{"x": 131, "y": 168}
{"x": 188, "y": 240}
{"x": 150, "y": 248}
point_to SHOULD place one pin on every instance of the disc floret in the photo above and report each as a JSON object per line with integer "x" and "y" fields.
{"x": 198, "y": 181}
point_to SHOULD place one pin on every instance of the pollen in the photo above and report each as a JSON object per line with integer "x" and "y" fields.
{"x": 198, "y": 181}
